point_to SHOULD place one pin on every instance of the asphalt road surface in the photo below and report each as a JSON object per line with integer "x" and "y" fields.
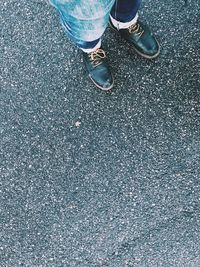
{"x": 94, "y": 179}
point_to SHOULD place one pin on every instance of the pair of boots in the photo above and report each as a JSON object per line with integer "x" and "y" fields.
{"x": 143, "y": 42}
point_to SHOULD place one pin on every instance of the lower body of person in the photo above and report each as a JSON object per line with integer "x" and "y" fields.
{"x": 85, "y": 21}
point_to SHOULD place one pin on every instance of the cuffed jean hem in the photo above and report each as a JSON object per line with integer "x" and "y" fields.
{"x": 84, "y": 21}
{"x": 82, "y": 37}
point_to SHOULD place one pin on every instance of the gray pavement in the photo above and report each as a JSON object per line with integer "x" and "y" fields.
{"x": 93, "y": 179}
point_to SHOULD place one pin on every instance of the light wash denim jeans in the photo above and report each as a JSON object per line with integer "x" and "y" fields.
{"x": 85, "y": 21}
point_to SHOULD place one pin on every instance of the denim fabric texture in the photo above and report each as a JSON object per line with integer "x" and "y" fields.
{"x": 85, "y": 21}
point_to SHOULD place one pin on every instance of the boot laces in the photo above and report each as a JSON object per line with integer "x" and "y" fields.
{"x": 136, "y": 28}
{"x": 96, "y": 56}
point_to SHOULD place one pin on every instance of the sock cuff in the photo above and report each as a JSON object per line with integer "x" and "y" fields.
{"x": 123, "y": 25}
{"x": 90, "y": 50}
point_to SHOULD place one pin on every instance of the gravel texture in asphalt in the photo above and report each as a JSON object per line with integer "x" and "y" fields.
{"x": 95, "y": 179}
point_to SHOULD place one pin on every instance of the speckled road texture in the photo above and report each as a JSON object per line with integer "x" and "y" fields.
{"x": 94, "y": 179}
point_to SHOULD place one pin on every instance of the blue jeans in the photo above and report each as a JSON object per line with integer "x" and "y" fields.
{"x": 85, "y": 21}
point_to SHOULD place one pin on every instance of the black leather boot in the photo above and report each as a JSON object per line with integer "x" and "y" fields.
{"x": 141, "y": 38}
{"x": 98, "y": 69}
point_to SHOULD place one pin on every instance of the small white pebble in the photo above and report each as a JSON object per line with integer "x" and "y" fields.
{"x": 77, "y": 124}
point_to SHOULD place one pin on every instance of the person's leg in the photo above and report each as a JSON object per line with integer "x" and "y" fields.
{"x": 124, "y": 18}
{"x": 85, "y": 21}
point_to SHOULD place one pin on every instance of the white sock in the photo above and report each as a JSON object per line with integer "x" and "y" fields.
{"x": 123, "y": 25}
{"x": 90, "y": 50}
